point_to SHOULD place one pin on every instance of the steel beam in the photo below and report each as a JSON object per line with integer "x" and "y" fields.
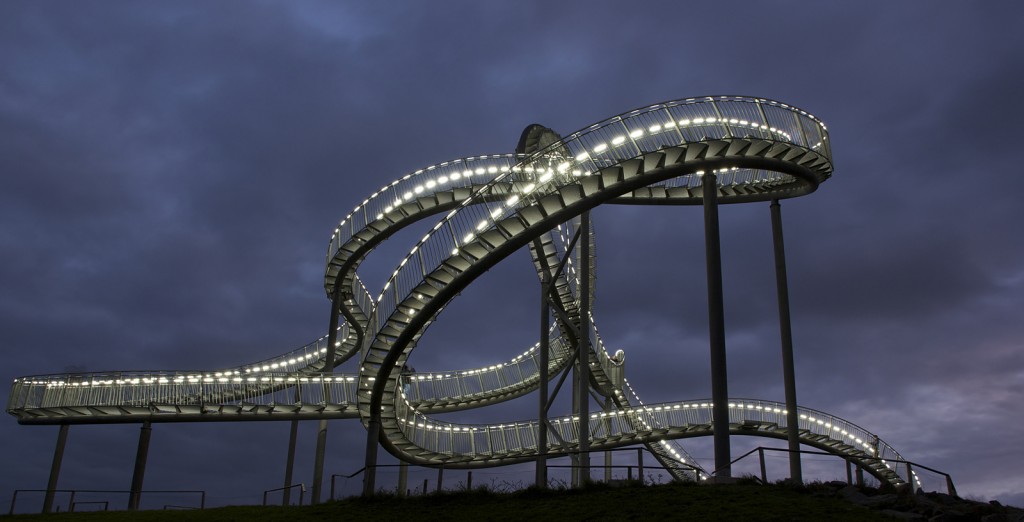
{"x": 541, "y": 479}
{"x": 583, "y": 360}
{"x": 286, "y": 497}
{"x": 321, "y": 432}
{"x": 135, "y": 495}
{"x": 716, "y": 327}
{"x": 58, "y": 458}
{"x": 786, "y": 332}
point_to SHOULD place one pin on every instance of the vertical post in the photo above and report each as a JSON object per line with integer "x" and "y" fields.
{"x": 786, "y": 332}
{"x": 135, "y": 494}
{"x": 859, "y": 474}
{"x": 290, "y": 464}
{"x": 403, "y": 478}
{"x": 607, "y": 454}
{"x": 764, "y": 471}
{"x": 716, "y": 327}
{"x": 584, "y": 350}
{"x": 370, "y": 471}
{"x": 910, "y": 478}
{"x": 321, "y": 432}
{"x": 440, "y": 478}
{"x": 58, "y": 457}
{"x": 469, "y": 481}
{"x": 424, "y": 486}
{"x": 640, "y": 464}
{"x": 608, "y": 466}
{"x": 849, "y": 472}
{"x": 541, "y": 480}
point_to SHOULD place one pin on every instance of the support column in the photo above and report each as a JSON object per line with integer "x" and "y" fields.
{"x": 321, "y": 433}
{"x": 58, "y": 457}
{"x": 370, "y": 468}
{"x": 135, "y": 494}
{"x": 290, "y": 464}
{"x": 403, "y": 478}
{"x": 788, "y": 371}
{"x": 583, "y": 361}
{"x": 541, "y": 480}
{"x": 716, "y": 327}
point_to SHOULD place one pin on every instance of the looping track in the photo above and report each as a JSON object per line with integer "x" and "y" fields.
{"x": 489, "y": 207}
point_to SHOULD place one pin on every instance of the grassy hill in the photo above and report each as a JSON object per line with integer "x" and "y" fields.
{"x": 747, "y": 502}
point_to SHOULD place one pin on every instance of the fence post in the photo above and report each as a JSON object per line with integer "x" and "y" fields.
{"x": 910, "y": 478}
{"x": 849, "y": 472}
{"x": 440, "y": 478}
{"x": 469, "y": 481}
{"x": 424, "y": 486}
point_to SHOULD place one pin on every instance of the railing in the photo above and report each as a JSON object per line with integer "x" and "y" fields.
{"x": 143, "y": 389}
{"x": 73, "y": 492}
{"x": 910, "y": 474}
{"x": 617, "y": 139}
{"x": 657, "y": 421}
{"x": 302, "y": 492}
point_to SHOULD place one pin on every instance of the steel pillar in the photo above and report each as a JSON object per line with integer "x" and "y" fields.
{"x": 370, "y": 468}
{"x": 58, "y": 457}
{"x": 716, "y": 327}
{"x": 786, "y": 332}
{"x": 403, "y": 478}
{"x": 290, "y": 464}
{"x": 321, "y": 432}
{"x": 135, "y": 495}
{"x": 541, "y": 480}
{"x": 583, "y": 362}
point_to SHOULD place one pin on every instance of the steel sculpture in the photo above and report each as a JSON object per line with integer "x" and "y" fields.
{"x": 695, "y": 151}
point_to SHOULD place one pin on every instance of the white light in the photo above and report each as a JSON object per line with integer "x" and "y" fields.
{"x": 654, "y": 128}
{"x": 482, "y": 225}
{"x": 468, "y": 238}
{"x": 562, "y": 167}
{"x": 601, "y": 147}
{"x": 636, "y": 134}
{"x": 479, "y": 170}
{"x": 442, "y": 179}
{"x": 431, "y": 184}
{"x": 581, "y": 156}
{"x": 546, "y": 176}
{"x": 418, "y": 189}
{"x": 512, "y": 201}
{"x": 407, "y": 196}
{"x": 528, "y": 189}
{"x": 456, "y": 175}
{"x": 618, "y": 140}
{"x": 492, "y": 170}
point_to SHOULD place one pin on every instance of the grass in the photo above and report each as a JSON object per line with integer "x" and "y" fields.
{"x": 597, "y": 502}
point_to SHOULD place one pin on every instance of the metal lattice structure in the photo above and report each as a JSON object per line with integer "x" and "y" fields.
{"x": 485, "y": 208}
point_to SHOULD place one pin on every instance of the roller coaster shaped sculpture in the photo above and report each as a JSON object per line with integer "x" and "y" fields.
{"x": 489, "y": 207}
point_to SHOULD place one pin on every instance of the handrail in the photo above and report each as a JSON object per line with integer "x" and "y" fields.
{"x": 302, "y": 491}
{"x": 950, "y": 488}
{"x": 14, "y": 498}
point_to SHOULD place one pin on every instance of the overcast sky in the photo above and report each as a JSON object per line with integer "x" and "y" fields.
{"x": 170, "y": 175}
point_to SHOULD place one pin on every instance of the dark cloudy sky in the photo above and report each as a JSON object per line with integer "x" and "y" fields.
{"x": 170, "y": 175}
